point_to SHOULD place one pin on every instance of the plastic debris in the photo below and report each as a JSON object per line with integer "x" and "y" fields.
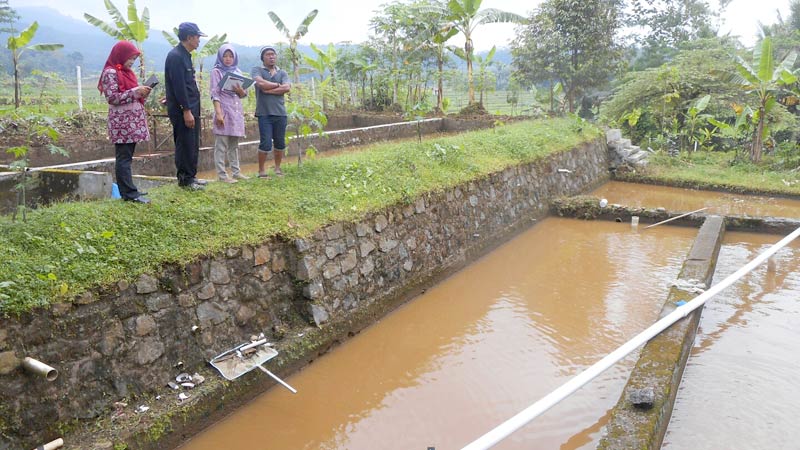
{"x": 603, "y": 203}
{"x": 142, "y": 408}
{"x": 183, "y": 396}
{"x": 195, "y": 328}
{"x": 198, "y": 379}
{"x": 183, "y": 378}
{"x": 173, "y": 385}
{"x": 680, "y": 303}
{"x": 188, "y": 385}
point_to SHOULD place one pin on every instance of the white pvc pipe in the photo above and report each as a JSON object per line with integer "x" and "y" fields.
{"x": 37, "y": 367}
{"x": 80, "y": 90}
{"x": 52, "y": 445}
{"x": 511, "y": 425}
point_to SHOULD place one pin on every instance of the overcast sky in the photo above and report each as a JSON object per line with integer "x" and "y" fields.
{"x": 247, "y": 23}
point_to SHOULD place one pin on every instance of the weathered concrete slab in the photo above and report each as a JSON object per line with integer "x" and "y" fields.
{"x": 639, "y": 421}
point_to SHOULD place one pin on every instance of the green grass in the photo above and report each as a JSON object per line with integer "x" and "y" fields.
{"x": 67, "y": 248}
{"x": 717, "y": 170}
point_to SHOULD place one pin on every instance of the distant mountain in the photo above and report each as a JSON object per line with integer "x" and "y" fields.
{"x": 88, "y": 47}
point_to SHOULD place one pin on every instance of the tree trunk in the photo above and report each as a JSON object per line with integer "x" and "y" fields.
{"x": 755, "y": 150}
{"x": 17, "y": 89}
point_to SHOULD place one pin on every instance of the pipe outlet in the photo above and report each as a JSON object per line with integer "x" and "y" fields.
{"x": 37, "y": 367}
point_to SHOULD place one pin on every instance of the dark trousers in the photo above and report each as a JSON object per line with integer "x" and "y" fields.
{"x": 122, "y": 170}
{"x": 187, "y": 146}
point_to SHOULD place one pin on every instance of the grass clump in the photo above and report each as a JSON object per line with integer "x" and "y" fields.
{"x": 720, "y": 170}
{"x": 67, "y": 248}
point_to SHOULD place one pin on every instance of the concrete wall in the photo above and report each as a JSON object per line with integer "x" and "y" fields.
{"x": 125, "y": 339}
{"x": 47, "y": 186}
{"x": 641, "y": 416}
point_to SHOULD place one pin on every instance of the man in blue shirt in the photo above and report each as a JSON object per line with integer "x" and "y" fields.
{"x": 183, "y": 105}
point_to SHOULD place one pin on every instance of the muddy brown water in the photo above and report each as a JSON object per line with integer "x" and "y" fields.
{"x": 479, "y": 347}
{"x": 740, "y": 389}
{"x": 679, "y": 199}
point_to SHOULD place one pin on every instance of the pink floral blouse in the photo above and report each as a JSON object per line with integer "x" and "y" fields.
{"x": 127, "y": 121}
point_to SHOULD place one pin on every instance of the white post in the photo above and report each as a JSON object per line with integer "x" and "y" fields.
{"x": 80, "y": 92}
{"x": 511, "y": 425}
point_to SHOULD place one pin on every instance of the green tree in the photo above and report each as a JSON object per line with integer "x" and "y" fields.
{"x": 18, "y": 44}
{"x": 301, "y": 31}
{"x": 765, "y": 79}
{"x": 8, "y": 16}
{"x": 571, "y": 43}
{"x": 465, "y": 16}
{"x": 135, "y": 29}
{"x": 664, "y": 25}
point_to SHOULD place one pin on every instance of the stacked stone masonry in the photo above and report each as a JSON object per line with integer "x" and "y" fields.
{"x": 126, "y": 339}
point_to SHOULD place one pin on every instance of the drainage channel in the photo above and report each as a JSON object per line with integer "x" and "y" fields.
{"x": 478, "y": 347}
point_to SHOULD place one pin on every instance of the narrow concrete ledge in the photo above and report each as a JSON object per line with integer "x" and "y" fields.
{"x": 640, "y": 418}
{"x": 588, "y": 208}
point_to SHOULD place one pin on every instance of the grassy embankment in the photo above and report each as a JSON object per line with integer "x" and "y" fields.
{"x": 716, "y": 170}
{"x": 67, "y": 248}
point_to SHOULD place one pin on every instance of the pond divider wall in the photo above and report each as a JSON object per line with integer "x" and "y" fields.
{"x": 657, "y": 374}
{"x": 129, "y": 340}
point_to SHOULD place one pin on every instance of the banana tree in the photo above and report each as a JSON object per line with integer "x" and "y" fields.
{"x": 293, "y": 38}
{"x": 135, "y": 29}
{"x": 765, "y": 79}
{"x": 17, "y": 45}
{"x": 465, "y": 16}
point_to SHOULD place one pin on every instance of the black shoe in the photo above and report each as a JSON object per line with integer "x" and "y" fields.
{"x": 142, "y": 193}
{"x": 139, "y": 199}
{"x": 194, "y": 186}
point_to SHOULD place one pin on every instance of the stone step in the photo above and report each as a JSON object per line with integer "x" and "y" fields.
{"x": 614, "y": 134}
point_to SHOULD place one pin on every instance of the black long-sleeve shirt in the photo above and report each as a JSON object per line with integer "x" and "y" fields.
{"x": 182, "y": 91}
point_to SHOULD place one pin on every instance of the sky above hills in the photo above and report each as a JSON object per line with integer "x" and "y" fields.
{"x": 246, "y": 21}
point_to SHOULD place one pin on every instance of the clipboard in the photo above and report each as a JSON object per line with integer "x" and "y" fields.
{"x": 231, "y": 79}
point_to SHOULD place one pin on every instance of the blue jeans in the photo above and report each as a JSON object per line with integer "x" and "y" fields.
{"x": 272, "y": 129}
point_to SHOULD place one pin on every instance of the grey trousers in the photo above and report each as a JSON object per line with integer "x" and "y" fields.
{"x": 226, "y": 146}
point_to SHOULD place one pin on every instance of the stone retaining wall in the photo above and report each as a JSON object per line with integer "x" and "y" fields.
{"x": 127, "y": 339}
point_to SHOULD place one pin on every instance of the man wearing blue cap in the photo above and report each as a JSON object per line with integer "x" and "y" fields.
{"x": 183, "y": 105}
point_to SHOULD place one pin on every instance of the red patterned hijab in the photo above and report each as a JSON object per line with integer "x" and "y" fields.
{"x": 121, "y": 52}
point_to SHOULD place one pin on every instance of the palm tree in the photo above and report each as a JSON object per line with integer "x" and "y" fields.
{"x": 293, "y": 38}
{"x": 465, "y": 16}
{"x": 18, "y": 45}
{"x": 765, "y": 79}
{"x": 135, "y": 29}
